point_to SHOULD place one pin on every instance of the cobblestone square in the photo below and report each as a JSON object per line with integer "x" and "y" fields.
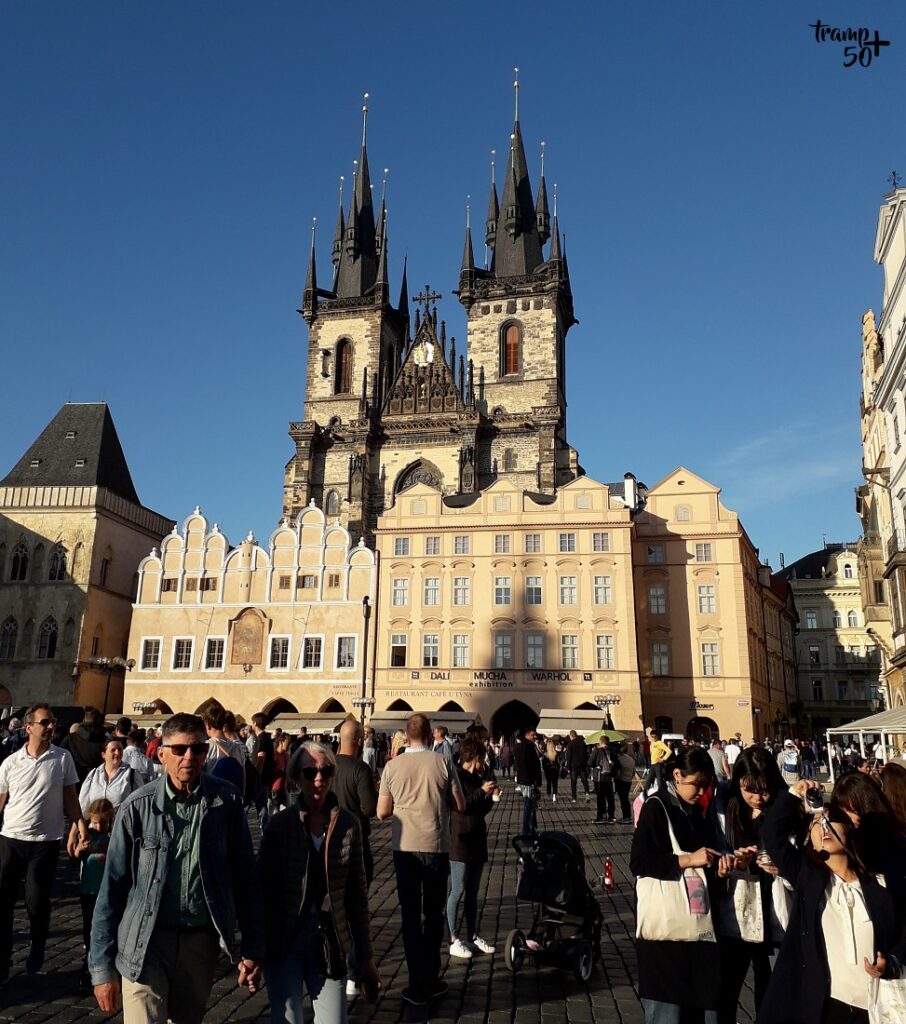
{"x": 481, "y": 989}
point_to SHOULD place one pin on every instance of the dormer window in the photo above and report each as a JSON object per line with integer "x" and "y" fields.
{"x": 70, "y": 435}
{"x": 79, "y": 463}
{"x": 35, "y": 463}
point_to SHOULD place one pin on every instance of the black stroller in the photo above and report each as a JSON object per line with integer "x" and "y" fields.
{"x": 566, "y": 929}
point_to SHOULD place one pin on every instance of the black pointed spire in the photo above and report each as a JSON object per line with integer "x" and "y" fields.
{"x": 382, "y": 284}
{"x": 310, "y": 294}
{"x": 542, "y": 214}
{"x": 340, "y": 232}
{"x": 357, "y": 271}
{"x": 468, "y": 259}
{"x": 403, "y": 304}
{"x": 493, "y": 209}
{"x": 517, "y": 248}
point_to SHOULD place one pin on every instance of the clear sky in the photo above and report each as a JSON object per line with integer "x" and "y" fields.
{"x": 719, "y": 173}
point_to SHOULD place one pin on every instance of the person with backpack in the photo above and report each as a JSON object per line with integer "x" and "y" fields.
{"x": 226, "y": 758}
{"x": 790, "y": 763}
{"x": 602, "y": 767}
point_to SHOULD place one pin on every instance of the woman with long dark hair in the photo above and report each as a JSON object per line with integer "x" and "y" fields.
{"x": 677, "y": 976}
{"x": 893, "y": 782}
{"x": 749, "y": 917}
{"x": 844, "y": 925}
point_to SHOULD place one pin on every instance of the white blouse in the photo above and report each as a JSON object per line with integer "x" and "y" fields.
{"x": 849, "y": 937}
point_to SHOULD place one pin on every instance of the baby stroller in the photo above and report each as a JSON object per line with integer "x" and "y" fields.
{"x": 566, "y": 929}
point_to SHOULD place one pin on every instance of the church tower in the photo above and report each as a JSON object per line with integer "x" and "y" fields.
{"x": 355, "y": 344}
{"x": 519, "y": 309}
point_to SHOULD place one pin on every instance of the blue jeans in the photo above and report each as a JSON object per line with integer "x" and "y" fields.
{"x": 464, "y": 878}
{"x": 671, "y": 1013}
{"x": 421, "y": 882}
{"x": 286, "y": 978}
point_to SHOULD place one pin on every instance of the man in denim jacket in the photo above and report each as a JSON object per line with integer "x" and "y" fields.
{"x": 180, "y": 876}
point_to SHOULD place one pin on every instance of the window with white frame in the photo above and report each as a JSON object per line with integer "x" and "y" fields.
{"x": 213, "y": 653}
{"x": 279, "y": 652}
{"x": 654, "y": 554}
{"x": 503, "y": 650}
{"x": 462, "y": 590}
{"x": 811, "y": 619}
{"x": 461, "y": 646}
{"x": 312, "y": 648}
{"x": 461, "y": 544}
{"x": 501, "y": 543}
{"x": 431, "y": 591}
{"x": 182, "y": 654}
{"x": 569, "y": 650}
{"x": 852, "y": 618}
{"x": 430, "y": 650}
{"x": 710, "y": 660}
{"x": 567, "y": 542}
{"x": 837, "y": 618}
{"x": 814, "y": 654}
{"x": 600, "y": 541}
{"x": 346, "y": 650}
{"x": 432, "y": 545}
{"x": 568, "y": 589}
{"x": 503, "y": 591}
{"x": 847, "y": 571}
{"x": 533, "y": 543}
{"x": 400, "y": 594}
{"x": 533, "y": 590}
{"x": 703, "y": 552}
{"x": 398, "y": 645}
{"x": 657, "y": 600}
{"x": 660, "y": 659}
{"x": 707, "y": 599}
{"x": 683, "y": 514}
{"x": 534, "y": 650}
{"x": 150, "y": 661}
{"x": 603, "y": 591}
{"x": 401, "y": 546}
{"x": 604, "y": 656}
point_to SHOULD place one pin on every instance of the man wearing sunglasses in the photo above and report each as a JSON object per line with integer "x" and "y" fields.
{"x": 180, "y": 878}
{"x": 37, "y": 784}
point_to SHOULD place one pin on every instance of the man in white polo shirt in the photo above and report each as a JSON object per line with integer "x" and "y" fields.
{"x": 37, "y": 783}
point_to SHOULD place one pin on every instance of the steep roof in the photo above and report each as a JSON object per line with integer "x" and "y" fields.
{"x": 79, "y": 447}
{"x": 817, "y": 564}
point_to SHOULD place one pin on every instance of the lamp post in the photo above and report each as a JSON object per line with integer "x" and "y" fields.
{"x": 605, "y": 703}
{"x": 364, "y": 701}
{"x": 110, "y": 665}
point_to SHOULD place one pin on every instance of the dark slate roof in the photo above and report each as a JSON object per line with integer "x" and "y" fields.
{"x": 809, "y": 566}
{"x": 53, "y": 460}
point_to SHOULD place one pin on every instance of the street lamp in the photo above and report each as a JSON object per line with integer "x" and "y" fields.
{"x": 605, "y": 702}
{"x": 364, "y": 701}
{"x": 110, "y": 665}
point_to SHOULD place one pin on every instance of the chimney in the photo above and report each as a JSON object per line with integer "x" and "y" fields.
{"x": 630, "y": 493}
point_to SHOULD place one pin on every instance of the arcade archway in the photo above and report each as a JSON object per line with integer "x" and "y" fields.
{"x": 512, "y": 718}
{"x": 702, "y": 730}
{"x": 399, "y": 705}
{"x": 280, "y": 706}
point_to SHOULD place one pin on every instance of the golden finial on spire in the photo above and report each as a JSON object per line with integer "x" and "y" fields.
{"x": 543, "y": 144}
{"x": 468, "y": 211}
{"x": 555, "y": 199}
{"x": 516, "y": 88}
{"x": 364, "y": 118}
{"x": 355, "y": 171}
{"x": 384, "y": 184}
{"x": 493, "y": 165}
{"x": 314, "y": 224}
{"x": 342, "y": 179}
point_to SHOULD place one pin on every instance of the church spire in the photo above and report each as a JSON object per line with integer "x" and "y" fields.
{"x": 468, "y": 260}
{"x": 310, "y": 294}
{"x": 542, "y": 214}
{"x": 555, "y": 233}
{"x": 339, "y": 232}
{"x": 357, "y": 271}
{"x": 493, "y": 208}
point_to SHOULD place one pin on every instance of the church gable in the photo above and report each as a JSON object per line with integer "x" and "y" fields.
{"x": 426, "y": 383}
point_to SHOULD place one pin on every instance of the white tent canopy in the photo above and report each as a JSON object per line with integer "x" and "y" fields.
{"x": 883, "y": 725}
{"x": 455, "y": 722}
{"x": 557, "y": 722}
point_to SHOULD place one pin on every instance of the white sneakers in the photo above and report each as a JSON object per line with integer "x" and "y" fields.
{"x": 466, "y": 950}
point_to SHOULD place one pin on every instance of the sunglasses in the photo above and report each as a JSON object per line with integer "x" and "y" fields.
{"x": 179, "y": 749}
{"x": 310, "y": 771}
{"x": 44, "y": 722}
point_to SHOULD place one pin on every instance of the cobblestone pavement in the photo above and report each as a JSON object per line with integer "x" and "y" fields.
{"x": 481, "y": 990}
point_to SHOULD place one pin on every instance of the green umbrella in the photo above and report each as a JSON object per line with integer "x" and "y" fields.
{"x": 605, "y": 734}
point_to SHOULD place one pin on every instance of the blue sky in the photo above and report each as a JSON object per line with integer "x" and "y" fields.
{"x": 719, "y": 175}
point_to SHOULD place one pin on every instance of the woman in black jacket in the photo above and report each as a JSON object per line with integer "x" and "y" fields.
{"x": 845, "y": 926}
{"x": 677, "y": 977}
{"x": 469, "y": 847}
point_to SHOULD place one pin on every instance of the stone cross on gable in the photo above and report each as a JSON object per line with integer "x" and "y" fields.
{"x": 426, "y": 298}
{"x": 894, "y": 180}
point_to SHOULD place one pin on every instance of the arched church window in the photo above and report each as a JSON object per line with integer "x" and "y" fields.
{"x": 47, "y": 638}
{"x": 343, "y": 364}
{"x": 57, "y": 569}
{"x": 509, "y": 459}
{"x": 18, "y": 567}
{"x": 511, "y": 350}
{"x": 333, "y": 503}
{"x": 9, "y": 634}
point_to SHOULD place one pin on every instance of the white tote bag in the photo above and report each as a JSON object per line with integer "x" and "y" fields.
{"x": 663, "y": 911}
{"x": 887, "y": 1001}
{"x": 741, "y": 914}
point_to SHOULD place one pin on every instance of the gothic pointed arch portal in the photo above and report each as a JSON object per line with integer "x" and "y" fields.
{"x": 399, "y": 705}
{"x": 419, "y": 472}
{"x": 512, "y": 718}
